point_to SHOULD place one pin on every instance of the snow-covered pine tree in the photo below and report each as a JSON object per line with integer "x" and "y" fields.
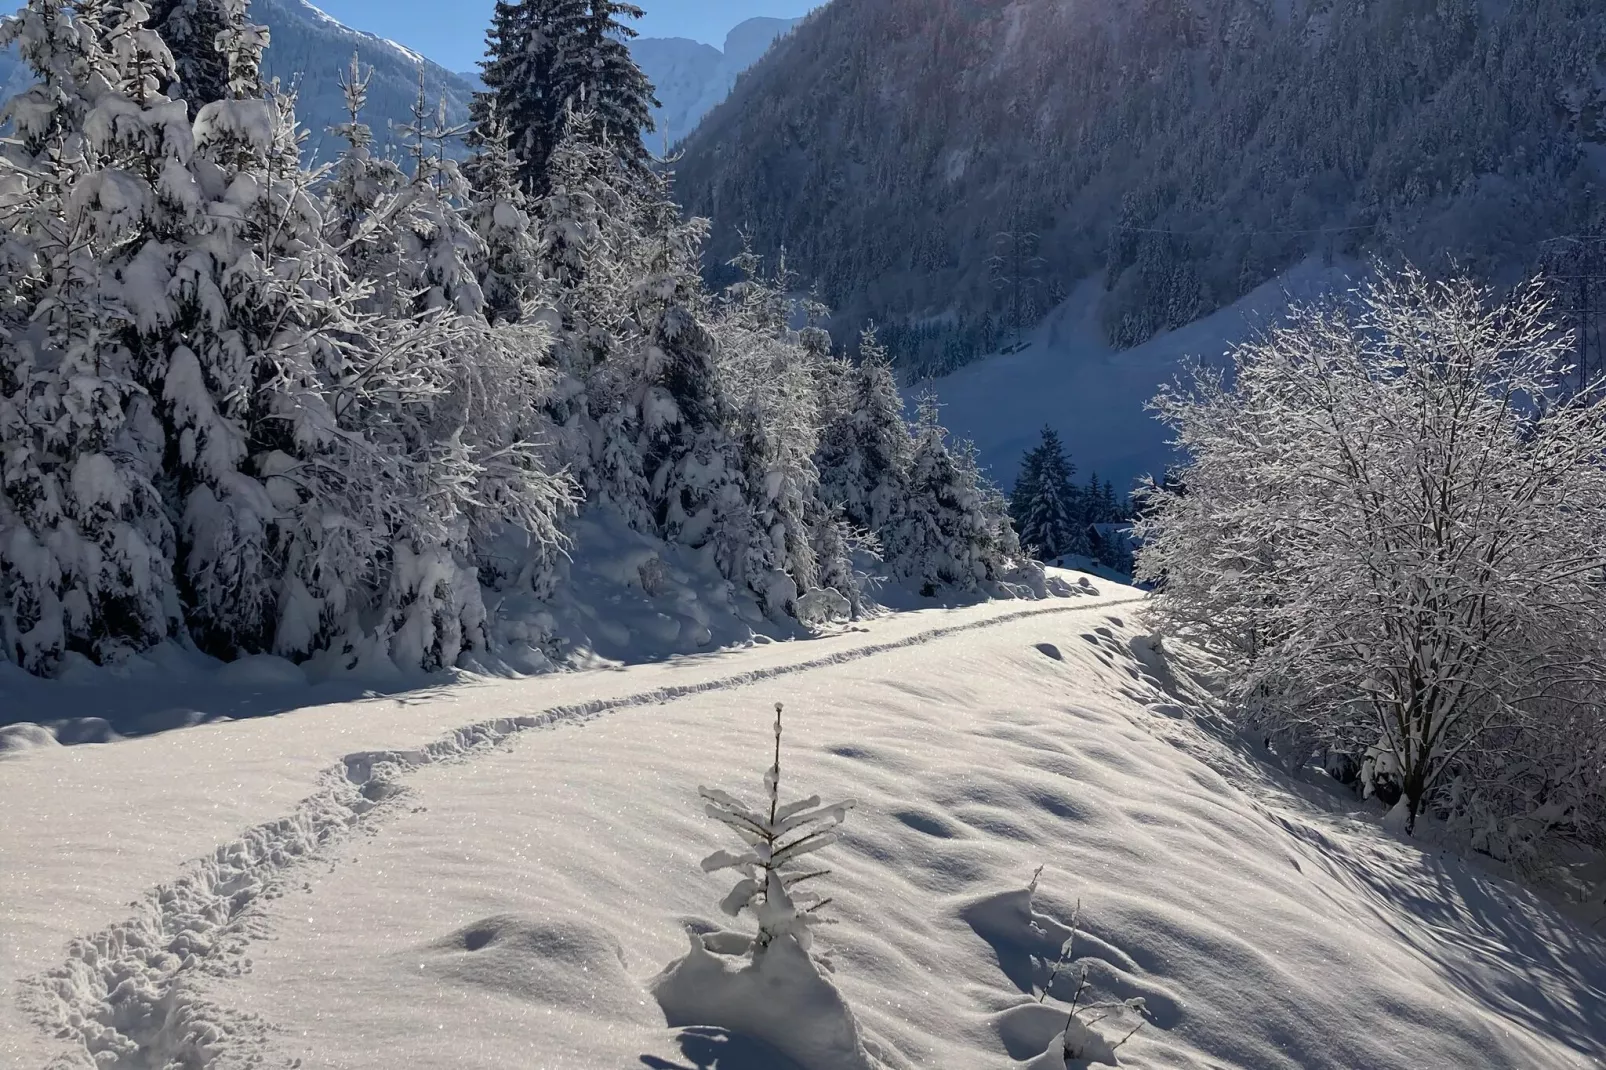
{"x": 549, "y": 62}
{"x": 476, "y": 469}
{"x": 673, "y": 396}
{"x": 85, "y": 545}
{"x": 470, "y": 464}
{"x": 438, "y": 248}
{"x": 453, "y": 414}
{"x": 585, "y": 226}
{"x": 953, "y": 532}
{"x": 191, "y": 29}
{"x": 520, "y": 53}
{"x": 800, "y": 1015}
{"x": 775, "y": 837}
{"x": 1101, "y": 505}
{"x": 998, "y": 547}
{"x": 361, "y": 197}
{"x": 773, "y": 373}
{"x": 158, "y": 228}
{"x": 1027, "y": 482}
{"x": 498, "y": 212}
{"x": 62, "y": 46}
{"x": 618, "y": 96}
{"x": 182, "y": 342}
{"x": 581, "y": 219}
{"x": 1117, "y": 507}
{"x": 1045, "y": 506}
{"x": 865, "y": 449}
{"x": 836, "y": 544}
{"x": 328, "y": 456}
{"x": 405, "y": 236}
{"x": 145, "y": 210}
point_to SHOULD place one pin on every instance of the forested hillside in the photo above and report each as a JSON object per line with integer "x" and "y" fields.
{"x": 951, "y": 167}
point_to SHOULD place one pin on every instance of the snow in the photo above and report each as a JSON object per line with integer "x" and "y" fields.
{"x": 1069, "y": 378}
{"x": 404, "y": 50}
{"x": 260, "y": 670}
{"x": 317, "y": 14}
{"x": 493, "y": 873}
{"x": 781, "y": 1001}
{"x": 321, "y": 15}
{"x": 15, "y": 738}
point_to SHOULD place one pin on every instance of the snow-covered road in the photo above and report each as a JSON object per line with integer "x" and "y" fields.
{"x": 90, "y": 829}
{"x": 1265, "y": 927}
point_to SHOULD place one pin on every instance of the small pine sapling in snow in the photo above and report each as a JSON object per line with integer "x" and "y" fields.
{"x": 770, "y": 863}
{"x": 768, "y": 987}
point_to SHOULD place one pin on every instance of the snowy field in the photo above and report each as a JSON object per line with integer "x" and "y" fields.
{"x": 1069, "y": 378}
{"x": 491, "y": 874}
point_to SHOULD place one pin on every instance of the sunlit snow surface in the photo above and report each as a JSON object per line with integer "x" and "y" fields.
{"x": 489, "y": 874}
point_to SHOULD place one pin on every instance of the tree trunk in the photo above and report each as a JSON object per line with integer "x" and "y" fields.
{"x": 1415, "y": 788}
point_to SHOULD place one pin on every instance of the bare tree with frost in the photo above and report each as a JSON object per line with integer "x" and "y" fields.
{"x": 1394, "y": 531}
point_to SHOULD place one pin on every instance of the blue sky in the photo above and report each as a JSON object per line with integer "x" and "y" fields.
{"x": 452, "y": 32}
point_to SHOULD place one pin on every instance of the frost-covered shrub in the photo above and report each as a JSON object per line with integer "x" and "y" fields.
{"x": 1391, "y": 531}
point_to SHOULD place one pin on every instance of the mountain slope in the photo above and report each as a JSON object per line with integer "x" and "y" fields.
{"x": 691, "y": 78}
{"x": 311, "y": 51}
{"x": 1190, "y": 150}
{"x": 1069, "y": 378}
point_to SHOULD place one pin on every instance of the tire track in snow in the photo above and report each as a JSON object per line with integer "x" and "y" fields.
{"x": 126, "y": 998}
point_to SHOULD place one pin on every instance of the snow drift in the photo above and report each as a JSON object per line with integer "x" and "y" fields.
{"x": 478, "y": 859}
